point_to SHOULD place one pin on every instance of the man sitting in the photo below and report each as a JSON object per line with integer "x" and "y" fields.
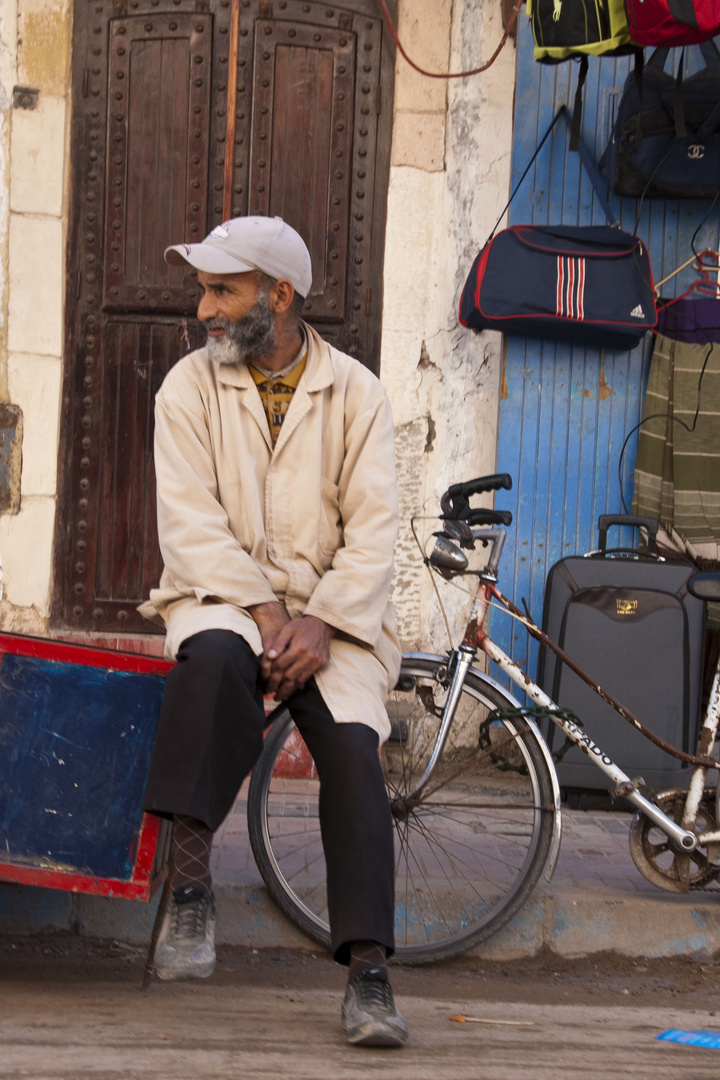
{"x": 277, "y": 518}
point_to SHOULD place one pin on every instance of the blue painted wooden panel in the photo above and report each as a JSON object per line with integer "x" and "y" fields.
{"x": 75, "y": 747}
{"x": 565, "y": 411}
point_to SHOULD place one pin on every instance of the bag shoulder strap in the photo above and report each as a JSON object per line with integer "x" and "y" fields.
{"x": 658, "y": 58}
{"x": 657, "y": 61}
{"x": 586, "y": 161}
{"x": 592, "y": 172}
{"x": 683, "y": 11}
{"x": 710, "y": 51}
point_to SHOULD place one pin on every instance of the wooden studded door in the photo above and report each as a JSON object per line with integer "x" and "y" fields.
{"x": 186, "y": 112}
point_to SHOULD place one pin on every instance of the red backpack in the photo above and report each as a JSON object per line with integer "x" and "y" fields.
{"x": 673, "y": 22}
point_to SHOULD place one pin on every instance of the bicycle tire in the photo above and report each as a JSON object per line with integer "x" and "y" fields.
{"x": 463, "y": 869}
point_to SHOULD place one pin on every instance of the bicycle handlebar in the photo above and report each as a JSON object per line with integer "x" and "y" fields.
{"x": 456, "y": 507}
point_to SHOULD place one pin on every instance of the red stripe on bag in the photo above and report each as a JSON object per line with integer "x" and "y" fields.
{"x": 570, "y": 312}
{"x": 559, "y": 295}
{"x": 581, "y": 289}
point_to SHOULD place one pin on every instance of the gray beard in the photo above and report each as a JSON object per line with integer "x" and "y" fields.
{"x": 250, "y": 340}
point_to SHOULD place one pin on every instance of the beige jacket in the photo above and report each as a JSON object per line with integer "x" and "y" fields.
{"x": 312, "y": 523}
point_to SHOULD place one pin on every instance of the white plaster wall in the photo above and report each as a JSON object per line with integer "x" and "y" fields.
{"x": 8, "y": 69}
{"x": 35, "y": 41}
{"x": 443, "y": 381}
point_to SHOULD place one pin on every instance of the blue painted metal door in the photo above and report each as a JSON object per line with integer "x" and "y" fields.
{"x": 566, "y": 411}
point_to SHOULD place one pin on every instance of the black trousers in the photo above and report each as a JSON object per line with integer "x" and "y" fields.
{"x": 210, "y": 734}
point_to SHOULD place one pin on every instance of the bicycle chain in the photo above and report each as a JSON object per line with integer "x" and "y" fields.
{"x": 542, "y": 712}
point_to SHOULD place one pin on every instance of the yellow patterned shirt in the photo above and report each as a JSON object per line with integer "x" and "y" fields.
{"x": 276, "y": 392}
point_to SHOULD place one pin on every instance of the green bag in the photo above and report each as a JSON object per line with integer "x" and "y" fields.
{"x": 566, "y": 28}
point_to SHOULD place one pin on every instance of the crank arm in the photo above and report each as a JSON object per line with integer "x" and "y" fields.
{"x": 684, "y": 840}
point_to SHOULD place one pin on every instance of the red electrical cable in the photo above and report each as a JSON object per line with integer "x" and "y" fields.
{"x": 455, "y": 74}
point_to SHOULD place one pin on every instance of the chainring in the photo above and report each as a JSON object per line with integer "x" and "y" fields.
{"x": 658, "y": 860}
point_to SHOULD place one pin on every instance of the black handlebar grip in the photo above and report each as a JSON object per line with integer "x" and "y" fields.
{"x": 488, "y": 517}
{"x": 482, "y": 483}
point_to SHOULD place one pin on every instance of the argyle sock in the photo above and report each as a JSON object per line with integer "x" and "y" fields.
{"x": 192, "y": 844}
{"x": 366, "y": 954}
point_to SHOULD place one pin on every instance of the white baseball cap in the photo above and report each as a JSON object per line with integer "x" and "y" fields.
{"x": 267, "y": 244}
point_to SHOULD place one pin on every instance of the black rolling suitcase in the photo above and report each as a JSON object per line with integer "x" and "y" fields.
{"x": 627, "y": 619}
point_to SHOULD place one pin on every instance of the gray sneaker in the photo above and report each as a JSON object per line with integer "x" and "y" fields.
{"x": 368, "y": 1011}
{"x": 186, "y": 943}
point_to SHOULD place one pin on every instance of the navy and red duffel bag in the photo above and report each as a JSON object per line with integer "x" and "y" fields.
{"x": 590, "y": 284}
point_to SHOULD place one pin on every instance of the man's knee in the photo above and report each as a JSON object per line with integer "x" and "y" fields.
{"x": 355, "y": 740}
{"x": 213, "y": 665}
{"x": 219, "y": 646}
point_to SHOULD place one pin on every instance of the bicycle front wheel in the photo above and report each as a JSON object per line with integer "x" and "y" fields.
{"x": 467, "y": 856}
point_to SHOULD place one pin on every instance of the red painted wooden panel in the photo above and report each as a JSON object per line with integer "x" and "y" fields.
{"x": 49, "y": 696}
{"x": 148, "y": 871}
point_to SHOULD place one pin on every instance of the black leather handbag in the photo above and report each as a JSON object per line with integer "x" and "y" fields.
{"x": 665, "y": 142}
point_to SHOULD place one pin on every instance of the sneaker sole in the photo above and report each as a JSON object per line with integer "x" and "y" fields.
{"x": 185, "y": 971}
{"x": 377, "y": 1035}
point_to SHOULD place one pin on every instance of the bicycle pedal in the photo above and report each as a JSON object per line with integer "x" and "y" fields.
{"x": 623, "y": 790}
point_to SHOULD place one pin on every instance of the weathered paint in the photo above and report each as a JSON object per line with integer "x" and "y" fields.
{"x": 44, "y": 31}
{"x": 568, "y": 409}
{"x": 442, "y": 380}
{"x": 8, "y": 78}
{"x": 77, "y": 731}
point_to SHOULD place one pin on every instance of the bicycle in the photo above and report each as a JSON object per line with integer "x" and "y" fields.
{"x": 474, "y": 794}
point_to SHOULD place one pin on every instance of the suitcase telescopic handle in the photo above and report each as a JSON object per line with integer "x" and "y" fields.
{"x": 651, "y": 524}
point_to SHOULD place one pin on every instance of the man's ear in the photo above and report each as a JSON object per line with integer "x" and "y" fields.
{"x": 281, "y": 296}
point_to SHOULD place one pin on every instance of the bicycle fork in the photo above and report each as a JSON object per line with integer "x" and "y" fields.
{"x": 463, "y": 659}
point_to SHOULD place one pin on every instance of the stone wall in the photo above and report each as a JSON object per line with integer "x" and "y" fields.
{"x": 449, "y": 181}
{"x": 35, "y": 39}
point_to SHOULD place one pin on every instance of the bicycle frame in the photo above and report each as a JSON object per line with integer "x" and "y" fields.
{"x": 460, "y": 662}
{"x": 681, "y": 835}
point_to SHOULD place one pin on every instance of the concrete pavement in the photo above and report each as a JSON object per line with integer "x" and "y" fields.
{"x": 596, "y": 901}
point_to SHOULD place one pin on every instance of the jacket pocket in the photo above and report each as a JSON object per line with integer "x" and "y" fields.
{"x": 330, "y": 530}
